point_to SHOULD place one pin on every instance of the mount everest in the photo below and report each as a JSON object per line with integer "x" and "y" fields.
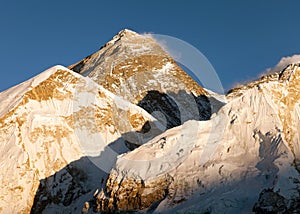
{"x": 127, "y": 130}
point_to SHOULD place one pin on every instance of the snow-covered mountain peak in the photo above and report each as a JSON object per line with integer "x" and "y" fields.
{"x": 51, "y": 120}
{"x": 287, "y": 74}
{"x": 138, "y": 69}
{"x": 126, "y": 33}
{"x": 290, "y": 72}
{"x": 139, "y": 59}
{"x": 11, "y": 97}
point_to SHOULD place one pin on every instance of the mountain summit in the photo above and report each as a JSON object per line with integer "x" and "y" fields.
{"x": 138, "y": 69}
{"x": 132, "y": 61}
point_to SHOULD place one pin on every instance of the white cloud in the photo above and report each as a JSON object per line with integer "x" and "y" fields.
{"x": 284, "y": 62}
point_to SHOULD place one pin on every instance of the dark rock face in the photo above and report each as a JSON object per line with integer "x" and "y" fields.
{"x": 176, "y": 108}
{"x": 272, "y": 202}
{"x": 67, "y": 185}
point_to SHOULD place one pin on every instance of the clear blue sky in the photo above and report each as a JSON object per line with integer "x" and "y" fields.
{"x": 240, "y": 38}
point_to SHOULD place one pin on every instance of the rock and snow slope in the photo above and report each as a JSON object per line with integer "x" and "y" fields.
{"x": 138, "y": 69}
{"x": 43, "y": 122}
{"x": 244, "y": 159}
{"x": 130, "y": 65}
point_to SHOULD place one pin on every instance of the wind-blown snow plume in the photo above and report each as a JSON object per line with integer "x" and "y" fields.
{"x": 284, "y": 62}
